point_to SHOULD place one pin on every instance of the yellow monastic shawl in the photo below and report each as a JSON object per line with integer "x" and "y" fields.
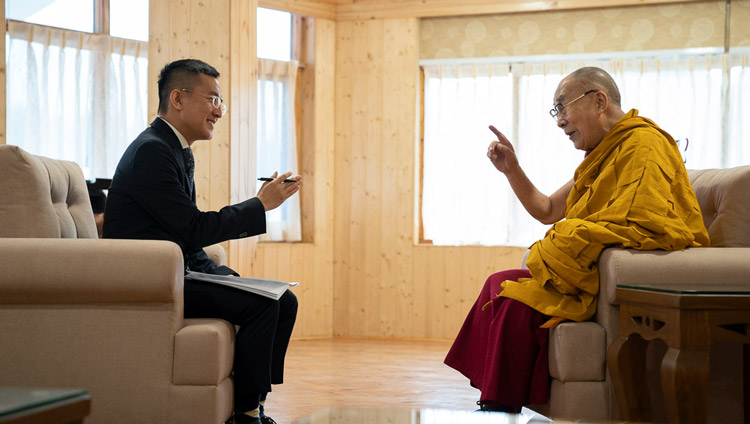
{"x": 631, "y": 191}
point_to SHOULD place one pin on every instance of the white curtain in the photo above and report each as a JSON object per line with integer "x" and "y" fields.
{"x": 277, "y": 142}
{"x": 75, "y": 96}
{"x": 705, "y": 99}
{"x": 460, "y": 102}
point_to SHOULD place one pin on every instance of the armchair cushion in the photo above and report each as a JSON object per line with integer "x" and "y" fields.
{"x": 576, "y": 352}
{"x": 723, "y": 196}
{"x": 203, "y": 352}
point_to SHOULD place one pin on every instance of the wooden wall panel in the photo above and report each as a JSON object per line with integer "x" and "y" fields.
{"x": 399, "y": 142}
{"x": 345, "y": 74}
{"x": 385, "y": 285}
{"x": 325, "y": 74}
{"x": 242, "y": 100}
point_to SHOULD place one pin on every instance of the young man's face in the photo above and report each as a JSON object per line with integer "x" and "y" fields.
{"x": 199, "y": 114}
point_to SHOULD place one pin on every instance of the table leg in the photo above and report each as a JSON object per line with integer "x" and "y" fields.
{"x": 626, "y": 360}
{"x": 746, "y": 381}
{"x": 684, "y": 379}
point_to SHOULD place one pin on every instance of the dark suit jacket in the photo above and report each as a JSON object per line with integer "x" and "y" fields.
{"x": 151, "y": 198}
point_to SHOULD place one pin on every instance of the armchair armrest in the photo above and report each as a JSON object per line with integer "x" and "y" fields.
{"x": 204, "y": 352}
{"x": 216, "y": 253}
{"x": 698, "y": 265}
{"x": 84, "y": 271}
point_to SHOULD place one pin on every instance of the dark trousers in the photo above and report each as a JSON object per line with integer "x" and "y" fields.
{"x": 262, "y": 340}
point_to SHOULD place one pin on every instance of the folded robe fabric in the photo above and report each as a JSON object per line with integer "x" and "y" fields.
{"x": 631, "y": 191}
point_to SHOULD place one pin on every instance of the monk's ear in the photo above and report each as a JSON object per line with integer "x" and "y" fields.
{"x": 602, "y": 100}
{"x": 176, "y": 98}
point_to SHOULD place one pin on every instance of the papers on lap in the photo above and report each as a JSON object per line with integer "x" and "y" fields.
{"x": 269, "y": 288}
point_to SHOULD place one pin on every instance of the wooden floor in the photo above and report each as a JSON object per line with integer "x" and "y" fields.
{"x": 369, "y": 374}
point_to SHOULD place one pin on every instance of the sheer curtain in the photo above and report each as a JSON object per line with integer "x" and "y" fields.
{"x": 460, "y": 102}
{"x": 467, "y": 202}
{"x": 75, "y": 96}
{"x": 277, "y": 142}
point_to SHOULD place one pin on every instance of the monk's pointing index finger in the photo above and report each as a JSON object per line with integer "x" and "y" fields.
{"x": 496, "y": 132}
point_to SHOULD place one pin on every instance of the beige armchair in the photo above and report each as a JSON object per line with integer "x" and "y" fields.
{"x": 581, "y": 387}
{"x": 102, "y": 315}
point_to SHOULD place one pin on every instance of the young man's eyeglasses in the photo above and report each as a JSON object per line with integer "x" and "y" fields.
{"x": 559, "y": 109}
{"x": 216, "y": 101}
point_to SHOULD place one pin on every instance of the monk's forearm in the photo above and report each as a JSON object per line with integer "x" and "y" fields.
{"x": 534, "y": 201}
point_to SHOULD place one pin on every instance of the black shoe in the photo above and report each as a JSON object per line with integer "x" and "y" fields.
{"x": 265, "y": 419}
{"x": 245, "y": 419}
{"x": 497, "y": 407}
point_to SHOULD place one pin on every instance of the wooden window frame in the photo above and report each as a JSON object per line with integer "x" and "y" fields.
{"x": 422, "y": 239}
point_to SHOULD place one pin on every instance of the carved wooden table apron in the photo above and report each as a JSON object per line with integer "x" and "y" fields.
{"x": 689, "y": 319}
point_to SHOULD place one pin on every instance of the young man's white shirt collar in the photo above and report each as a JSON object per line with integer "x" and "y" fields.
{"x": 183, "y": 141}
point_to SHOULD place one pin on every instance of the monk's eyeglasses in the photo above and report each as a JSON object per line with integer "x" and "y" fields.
{"x": 559, "y": 109}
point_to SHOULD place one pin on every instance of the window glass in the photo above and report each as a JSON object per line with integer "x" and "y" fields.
{"x": 274, "y": 35}
{"x": 129, "y": 19}
{"x": 77, "y": 15}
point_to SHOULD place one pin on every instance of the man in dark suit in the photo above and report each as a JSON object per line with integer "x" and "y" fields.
{"x": 152, "y": 196}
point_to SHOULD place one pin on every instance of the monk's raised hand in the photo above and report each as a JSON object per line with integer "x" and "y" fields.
{"x": 501, "y": 152}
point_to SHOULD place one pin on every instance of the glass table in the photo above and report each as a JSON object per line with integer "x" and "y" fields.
{"x": 48, "y": 406}
{"x": 689, "y": 318}
{"x": 341, "y": 415}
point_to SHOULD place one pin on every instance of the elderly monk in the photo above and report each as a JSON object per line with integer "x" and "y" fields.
{"x": 631, "y": 190}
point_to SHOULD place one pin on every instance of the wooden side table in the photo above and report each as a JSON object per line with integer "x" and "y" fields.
{"x": 689, "y": 319}
{"x": 43, "y": 406}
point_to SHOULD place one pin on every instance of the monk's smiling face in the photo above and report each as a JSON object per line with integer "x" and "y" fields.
{"x": 580, "y": 113}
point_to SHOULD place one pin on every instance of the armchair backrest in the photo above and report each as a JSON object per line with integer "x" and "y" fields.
{"x": 724, "y": 198}
{"x": 42, "y": 197}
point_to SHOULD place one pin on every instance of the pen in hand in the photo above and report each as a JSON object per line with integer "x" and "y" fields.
{"x": 271, "y": 179}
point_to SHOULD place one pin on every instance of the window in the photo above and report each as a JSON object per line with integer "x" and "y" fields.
{"x": 77, "y": 15}
{"x": 74, "y": 95}
{"x": 274, "y": 35}
{"x": 465, "y": 201}
{"x": 128, "y": 19}
{"x": 277, "y": 122}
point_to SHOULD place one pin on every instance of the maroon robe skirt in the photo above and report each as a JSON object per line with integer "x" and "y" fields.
{"x": 501, "y": 349}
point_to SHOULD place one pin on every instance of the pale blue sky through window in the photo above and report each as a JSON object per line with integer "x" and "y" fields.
{"x": 70, "y": 14}
{"x": 274, "y": 34}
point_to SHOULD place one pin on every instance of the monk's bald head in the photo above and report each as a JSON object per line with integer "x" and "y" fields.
{"x": 591, "y": 77}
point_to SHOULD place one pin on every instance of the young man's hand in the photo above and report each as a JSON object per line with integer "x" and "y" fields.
{"x": 273, "y": 193}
